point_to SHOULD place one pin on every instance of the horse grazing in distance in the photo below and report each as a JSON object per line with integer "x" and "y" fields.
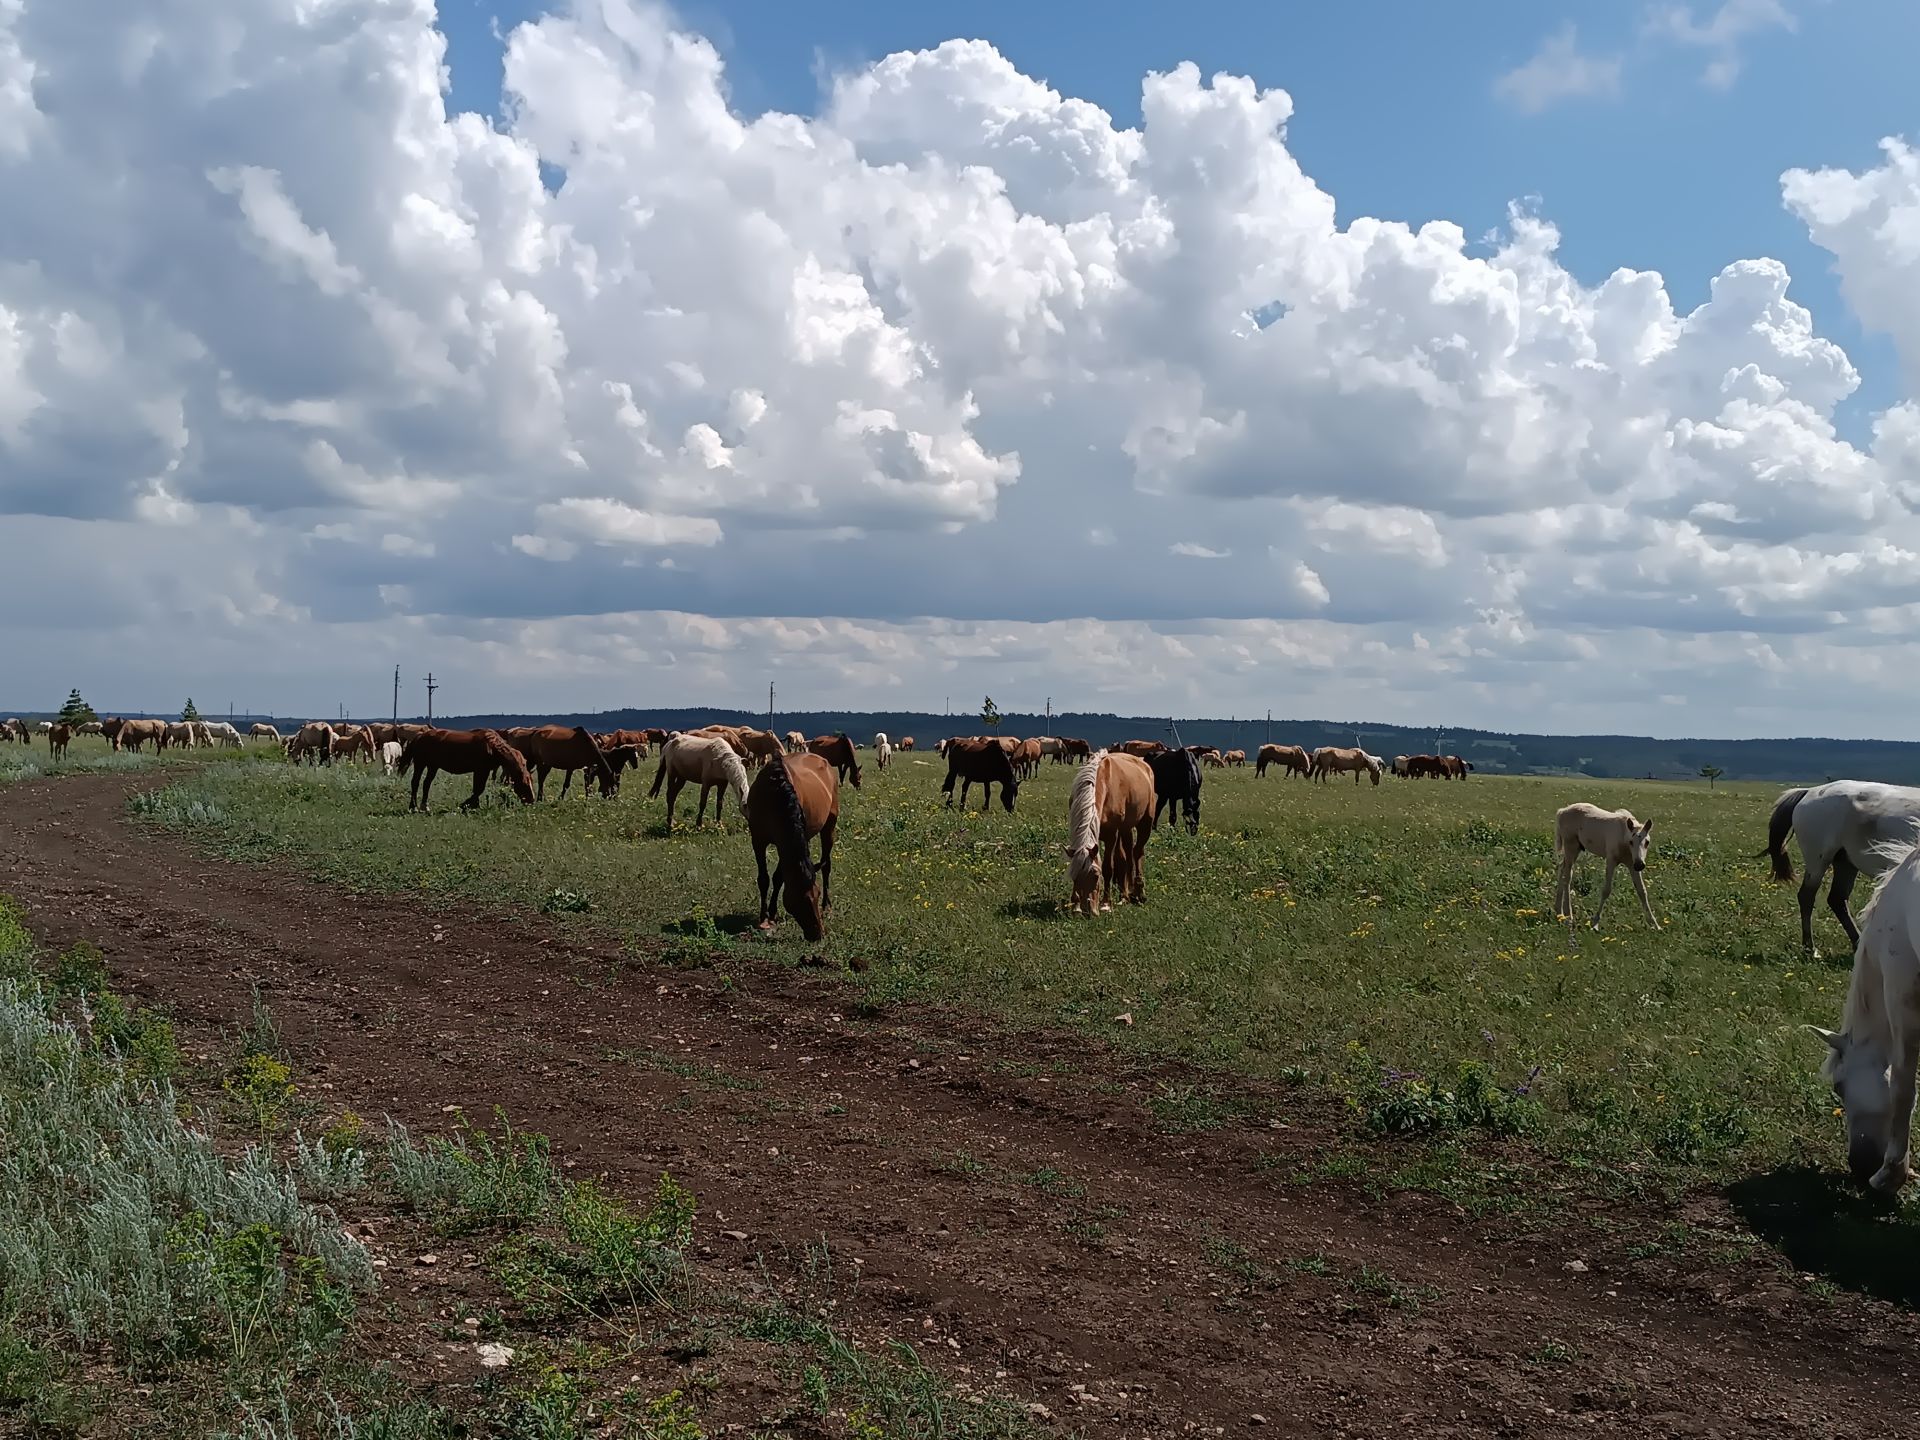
{"x": 315, "y": 740}
{"x": 1212, "y": 759}
{"x": 353, "y": 740}
{"x": 838, "y": 751}
{"x": 984, "y": 762}
{"x": 906, "y": 742}
{"x": 1338, "y": 760}
{"x": 619, "y": 758}
{"x": 1425, "y": 767}
{"x": 1290, "y": 758}
{"x": 1111, "y": 805}
{"x": 1398, "y": 767}
{"x": 179, "y": 734}
{"x": 1452, "y": 767}
{"x": 1234, "y": 759}
{"x": 1872, "y": 1057}
{"x": 557, "y": 747}
{"x": 1845, "y": 825}
{"x": 1176, "y": 777}
{"x": 1050, "y": 748}
{"x": 795, "y": 742}
{"x": 92, "y": 727}
{"x": 1074, "y": 752}
{"x": 390, "y": 756}
{"x": 260, "y": 730}
{"x": 761, "y": 745}
{"x": 882, "y": 750}
{"x": 1026, "y": 759}
{"x": 793, "y": 799}
{"x": 478, "y": 753}
{"x": 1140, "y": 749}
{"x": 57, "y": 737}
{"x": 1616, "y": 837}
{"x": 703, "y": 760}
{"x": 132, "y": 734}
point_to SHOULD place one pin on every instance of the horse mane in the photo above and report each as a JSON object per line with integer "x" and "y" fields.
{"x": 793, "y": 821}
{"x": 1865, "y": 1012}
{"x": 736, "y": 773}
{"x": 511, "y": 760}
{"x": 1083, "y": 824}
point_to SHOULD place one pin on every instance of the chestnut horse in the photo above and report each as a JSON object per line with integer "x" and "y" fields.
{"x": 132, "y": 734}
{"x": 982, "y": 761}
{"x": 57, "y": 738}
{"x": 1338, "y": 760}
{"x": 704, "y": 760}
{"x": 1290, "y": 758}
{"x": 1139, "y": 748}
{"x": 1074, "y": 751}
{"x": 1111, "y": 805}
{"x": 462, "y": 752}
{"x": 1234, "y": 759}
{"x": 794, "y": 798}
{"x": 838, "y": 751}
{"x": 906, "y": 742}
{"x": 555, "y": 747}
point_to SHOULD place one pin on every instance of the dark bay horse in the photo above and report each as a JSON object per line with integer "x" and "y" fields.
{"x": 1176, "y": 776}
{"x": 838, "y": 751}
{"x": 792, "y": 799}
{"x": 462, "y": 752}
{"x": 984, "y": 761}
{"x": 555, "y": 747}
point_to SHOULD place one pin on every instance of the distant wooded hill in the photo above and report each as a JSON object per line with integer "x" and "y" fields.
{"x": 1618, "y": 756}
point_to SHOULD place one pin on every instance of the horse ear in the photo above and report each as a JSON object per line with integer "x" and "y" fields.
{"x": 1647, "y": 829}
{"x": 1834, "y": 1038}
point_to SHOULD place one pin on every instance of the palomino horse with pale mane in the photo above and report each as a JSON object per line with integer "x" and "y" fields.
{"x": 838, "y": 751}
{"x": 479, "y": 753}
{"x": 1338, "y": 760}
{"x": 1234, "y": 759}
{"x": 1290, "y": 758}
{"x": 882, "y": 750}
{"x": 983, "y": 762}
{"x": 1616, "y": 837}
{"x": 1846, "y": 825}
{"x": 1111, "y": 805}
{"x": 795, "y": 742}
{"x": 703, "y": 760}
{"x": 1872, "y": 1058}
{"x": 793, "y": 799}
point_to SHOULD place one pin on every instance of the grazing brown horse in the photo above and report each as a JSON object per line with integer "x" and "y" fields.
{"x": 1330, "y": 760}
{"x": 57, "y": 739}
{"x": 794, "y": 741}
{"x": 1140, "y": 748}
{"x": 1454, "y": 768}
{"x": 984, "y": 762}
{"x": 619, "y": 758}
{"x": 1111, "y": 805}
{"x": 132, "y": 734}
{"x": 352, "y": 740}
{"x": 794, "y": 798}
{"x": 762, "y": 746}
{"x": 1026, "y": 759}
{"x": 315, "y": 739}
{"x": 838, "y": 751}
{"x": 906, "y": 742}
{"x": 1426, "y": 767}
{"x": 703, "y": 760}
{"x": 462, "y": 752}
{"x": 555, "y": 747}
{"x": 639, "y": 739}
{"x": 1290, "y": 758}
{"x": 1074, "y": 751}
{"x": 1234, "y": 758}
{"x": 728, "y": 733}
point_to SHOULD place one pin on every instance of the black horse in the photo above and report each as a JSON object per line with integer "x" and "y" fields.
{"x": 1176, "y": 776}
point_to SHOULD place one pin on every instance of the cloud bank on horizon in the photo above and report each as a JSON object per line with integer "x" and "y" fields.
{"x": 955, "y": 386}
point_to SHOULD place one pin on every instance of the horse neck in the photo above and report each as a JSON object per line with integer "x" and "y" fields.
{"x": 1865, "y": 1015}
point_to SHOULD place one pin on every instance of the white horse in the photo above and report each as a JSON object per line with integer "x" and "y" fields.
{"x": 882, "y": 749}
{"x": 704, "y": 760}
{"x": 390, "y": 756}
{"x": 1616, "y": 837}
{"x": 1845, "y": 824}
{"x": 1872, "y": 1057}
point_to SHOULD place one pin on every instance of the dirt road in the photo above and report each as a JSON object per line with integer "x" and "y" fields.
{"x": 1008, "y": 1201}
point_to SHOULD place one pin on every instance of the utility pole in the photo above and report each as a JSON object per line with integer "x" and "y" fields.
{"x": 769, "y": 707}
{"x": 396, "y": 694}
{"x": 431, "y": 687}
{"x": 1269, "y": 739}
{"x": 1049, "y": 715}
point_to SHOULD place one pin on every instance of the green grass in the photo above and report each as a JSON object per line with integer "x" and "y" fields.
{"x": 1396, "y": 944}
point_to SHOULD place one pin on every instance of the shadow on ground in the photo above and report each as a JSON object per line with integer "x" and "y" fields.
{"x": 1825, "y": 1225}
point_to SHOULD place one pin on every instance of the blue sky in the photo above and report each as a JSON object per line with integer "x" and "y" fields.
{"x": 1396, "y": 113}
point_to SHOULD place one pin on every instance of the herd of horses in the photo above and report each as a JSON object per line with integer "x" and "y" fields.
{"x": 788, "y": 788}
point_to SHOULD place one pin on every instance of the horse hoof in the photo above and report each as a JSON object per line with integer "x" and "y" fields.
{"x": 1888, "y": 1179}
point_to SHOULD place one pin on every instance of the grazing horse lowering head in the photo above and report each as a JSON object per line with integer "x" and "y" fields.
{"x": 1861, "y": 1074}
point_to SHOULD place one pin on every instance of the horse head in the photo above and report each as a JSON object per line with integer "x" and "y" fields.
{"x": 1861, "y": 1076}
{"x": 1009, "y": 788}
{"x": 1637, "y": 842}
{"x": 1083, "y": 871}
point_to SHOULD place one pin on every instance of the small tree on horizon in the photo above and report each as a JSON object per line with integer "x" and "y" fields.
{"x": 190, "y": 713}
{"x": 990, "y": 714}
{"x": 76, "y": 711}
{"x": 1711, "y": 773}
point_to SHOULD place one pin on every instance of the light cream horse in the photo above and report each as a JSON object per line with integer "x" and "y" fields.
{"x": 1338, "y": 760}
{"x": 704, "y": 760}
{"x": 1616, "y": 837}
{"x": 882, "y": 749}
{"x": 795, "y": 742}
{"x": 264, "y": 731}
{"x": 390, "y": 756}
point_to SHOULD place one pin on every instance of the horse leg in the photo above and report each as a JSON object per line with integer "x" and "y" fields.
{"x": 1606, "y": 889}
{"x": 1107, "y": 870}
{"x": 413, "y": 790}
{"x": 701, "y": 818}
{"x": 1192, "y": 806}
{"x": 1844, "y": 874}
{"x": 826, "y": 863}
{"x": 766, "y": 911}
{"x": 1640, "y": 889}
{"x": 674, "y": 782}
{"x": 540, "y": 784}
{"x": 1810, "y": 892}
{"x": 480, "y": 778}
{"x": 1563, "y": 888}
{"x": 1893, "y": 1172}
{"x": 426, "y": 790}
{"x": 1138, "y": 861}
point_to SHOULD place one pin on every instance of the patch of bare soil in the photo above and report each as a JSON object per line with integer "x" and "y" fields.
{"x": 1007, "y": 1201}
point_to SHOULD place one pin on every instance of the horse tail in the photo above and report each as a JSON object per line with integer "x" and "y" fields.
{"x": 793, "y": 819}
{"x": 660, "y": 773}
{"x": 1779, "y": 826}
{"x": 1083, "y": 825}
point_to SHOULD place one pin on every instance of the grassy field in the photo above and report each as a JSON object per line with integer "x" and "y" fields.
{"x": 1394, "y": 945}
